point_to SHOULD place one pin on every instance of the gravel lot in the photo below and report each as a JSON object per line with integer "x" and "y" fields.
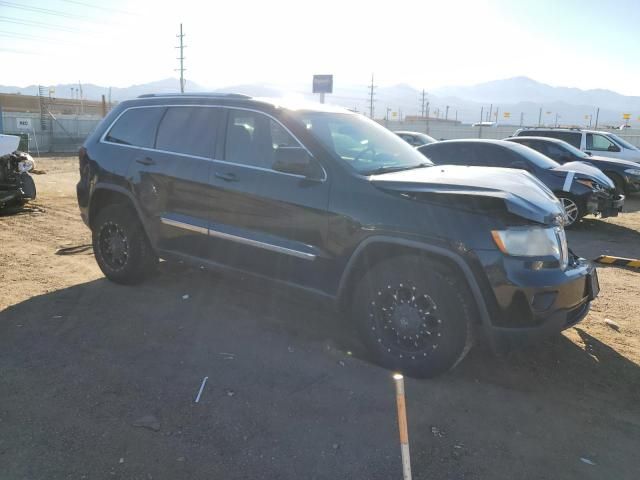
{"x": 289, "y": 392}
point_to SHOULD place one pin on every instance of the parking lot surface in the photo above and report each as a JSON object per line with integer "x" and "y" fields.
{"x": 99, "y": 380}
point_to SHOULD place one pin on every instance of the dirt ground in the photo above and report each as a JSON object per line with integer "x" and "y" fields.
{"x": 289, "y": 392}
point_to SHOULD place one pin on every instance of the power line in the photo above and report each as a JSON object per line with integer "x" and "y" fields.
{"x": 372, "y": 88}
{"x": 45, "y": 11}
{"x": 181, "y": 58}
{"x": 97, "y": 7}
{"x": 26, "y": 36}
{"x": 30, "y": 23}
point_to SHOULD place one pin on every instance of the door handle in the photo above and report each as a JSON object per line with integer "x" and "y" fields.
{"x": 227, "y": 177}
{"x": 145, "y": 161}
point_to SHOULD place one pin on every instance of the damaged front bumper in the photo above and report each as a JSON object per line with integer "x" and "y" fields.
{"x": 528, "y": 304}
{"x": 604, "y": 203}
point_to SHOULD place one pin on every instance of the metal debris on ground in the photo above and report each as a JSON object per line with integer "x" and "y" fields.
{"x": 204, "y": 381}
{"x": 612, "y": 324}
{"x": 587, "y": 461}
{"x": 227, "y": 356}
{"x": 230, "y": 393}
{"x": 185, "y": 296}
{"x": 436, "y": 432}
{"x": 75, "y": 249}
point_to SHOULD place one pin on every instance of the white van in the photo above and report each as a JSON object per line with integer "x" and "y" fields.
{"x": 603, "y": 144}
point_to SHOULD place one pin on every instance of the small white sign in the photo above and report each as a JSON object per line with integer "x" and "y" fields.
{"x": 24, "y": 124}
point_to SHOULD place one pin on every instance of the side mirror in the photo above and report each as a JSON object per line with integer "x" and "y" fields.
{"x": 296, "y": 161}
{"x": 613, "y": 148}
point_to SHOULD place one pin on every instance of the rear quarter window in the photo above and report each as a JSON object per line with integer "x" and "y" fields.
{"x": 136, "y": 127}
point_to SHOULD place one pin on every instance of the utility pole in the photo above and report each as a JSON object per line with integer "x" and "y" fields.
{"x": 446, "y": 113}
{"x": 427, "y": 116}
{"x": 424, "y": 98}
{"x": 497, "y": 112}
{"x": 80, "y": 93}
{"x": 556, "y": 119}
{"x": 540, "y": 117}
{"x": 456, "y": 116}
{"x": 181, "y": 58}
{"x": 521, "y": 118}
{"x": 597, "y": 116}
{"x": 490, "y": 112}
{"x": 372, "y": 88}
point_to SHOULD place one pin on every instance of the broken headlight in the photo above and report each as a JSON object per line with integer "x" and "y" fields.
{"x": 26, "y": 164}
{"x": 533, "y": 242}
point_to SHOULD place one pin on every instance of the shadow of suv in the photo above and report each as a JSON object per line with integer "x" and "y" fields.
{"x": 328, "y": 201}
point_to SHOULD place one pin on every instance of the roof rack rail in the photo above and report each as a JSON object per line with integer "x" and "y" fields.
{"x": 552, "y": 128}
{"x": 201, "y": 94}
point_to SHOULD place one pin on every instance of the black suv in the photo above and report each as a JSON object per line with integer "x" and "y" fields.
{"x": 319, "y": 198}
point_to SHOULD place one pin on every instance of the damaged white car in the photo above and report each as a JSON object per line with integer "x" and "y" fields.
{"x": 16, "y": 185}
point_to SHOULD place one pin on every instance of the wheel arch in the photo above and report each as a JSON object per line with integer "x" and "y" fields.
{"x": 376, "y": 248}
{"x": 107, "y": 194}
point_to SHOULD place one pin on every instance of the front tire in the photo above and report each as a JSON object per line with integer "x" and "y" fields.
{"x": 121, "y": 246}
{"x": 572, "y": 210}
{"x": 413, "y": 316}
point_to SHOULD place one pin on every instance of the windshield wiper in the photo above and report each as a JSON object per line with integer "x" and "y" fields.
{"x": 395, "y": 168}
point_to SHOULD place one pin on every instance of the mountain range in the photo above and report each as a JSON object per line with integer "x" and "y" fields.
{"x": 518, "y": 96}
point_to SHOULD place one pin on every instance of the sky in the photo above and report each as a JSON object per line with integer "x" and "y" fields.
{"x": 426, "y": 44}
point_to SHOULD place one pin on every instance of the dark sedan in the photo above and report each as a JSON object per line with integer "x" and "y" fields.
{"x": 623, "y": 173}
{"x": 582, "y": 189}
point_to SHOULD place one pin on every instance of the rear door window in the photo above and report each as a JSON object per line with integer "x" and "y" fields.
{"x": 493, "y": 156}
{"x": 572, "y": 138}
{"x": 189, "y": 130}
{"x": 136, "y": 127}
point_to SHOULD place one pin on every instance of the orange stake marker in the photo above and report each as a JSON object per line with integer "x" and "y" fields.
{"x": 402, "y": 426}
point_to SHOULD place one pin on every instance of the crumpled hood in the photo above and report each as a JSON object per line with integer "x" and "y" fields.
{"x": 586, "y": 170}
{"x": 8, "y": 144}
{"x": 523, "y": 194}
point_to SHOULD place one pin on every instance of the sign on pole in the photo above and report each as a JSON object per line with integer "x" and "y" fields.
{"x": 24, "y": 124}
{"x": 507, "y": 114}
{"x": 626, "y": 116}
{"x": 322, "y": 84}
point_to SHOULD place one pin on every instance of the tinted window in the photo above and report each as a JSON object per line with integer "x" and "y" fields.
{"x": 445, "y": 153}
{"x": 555, "y": 151}
{"x": 136, "y": 127}
{"x": 532, "y": 156}
{"x": 252, "y": 139}
{"x": 572, "y": 138}
{"x": 190, "y": 130}
{"x": 493, "y": 156}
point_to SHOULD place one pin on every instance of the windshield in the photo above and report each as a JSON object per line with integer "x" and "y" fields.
{"x": 361, "y": 143}
{"x": 622, "y": 142}
{"x": 424, "y": 138}
{"x": 534, "y": 156}
{"x": 573, "y": 150}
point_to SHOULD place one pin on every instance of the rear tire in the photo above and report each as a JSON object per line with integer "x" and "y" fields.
{"x": 121, "y": 246}
{"x": 413, "y": 316}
